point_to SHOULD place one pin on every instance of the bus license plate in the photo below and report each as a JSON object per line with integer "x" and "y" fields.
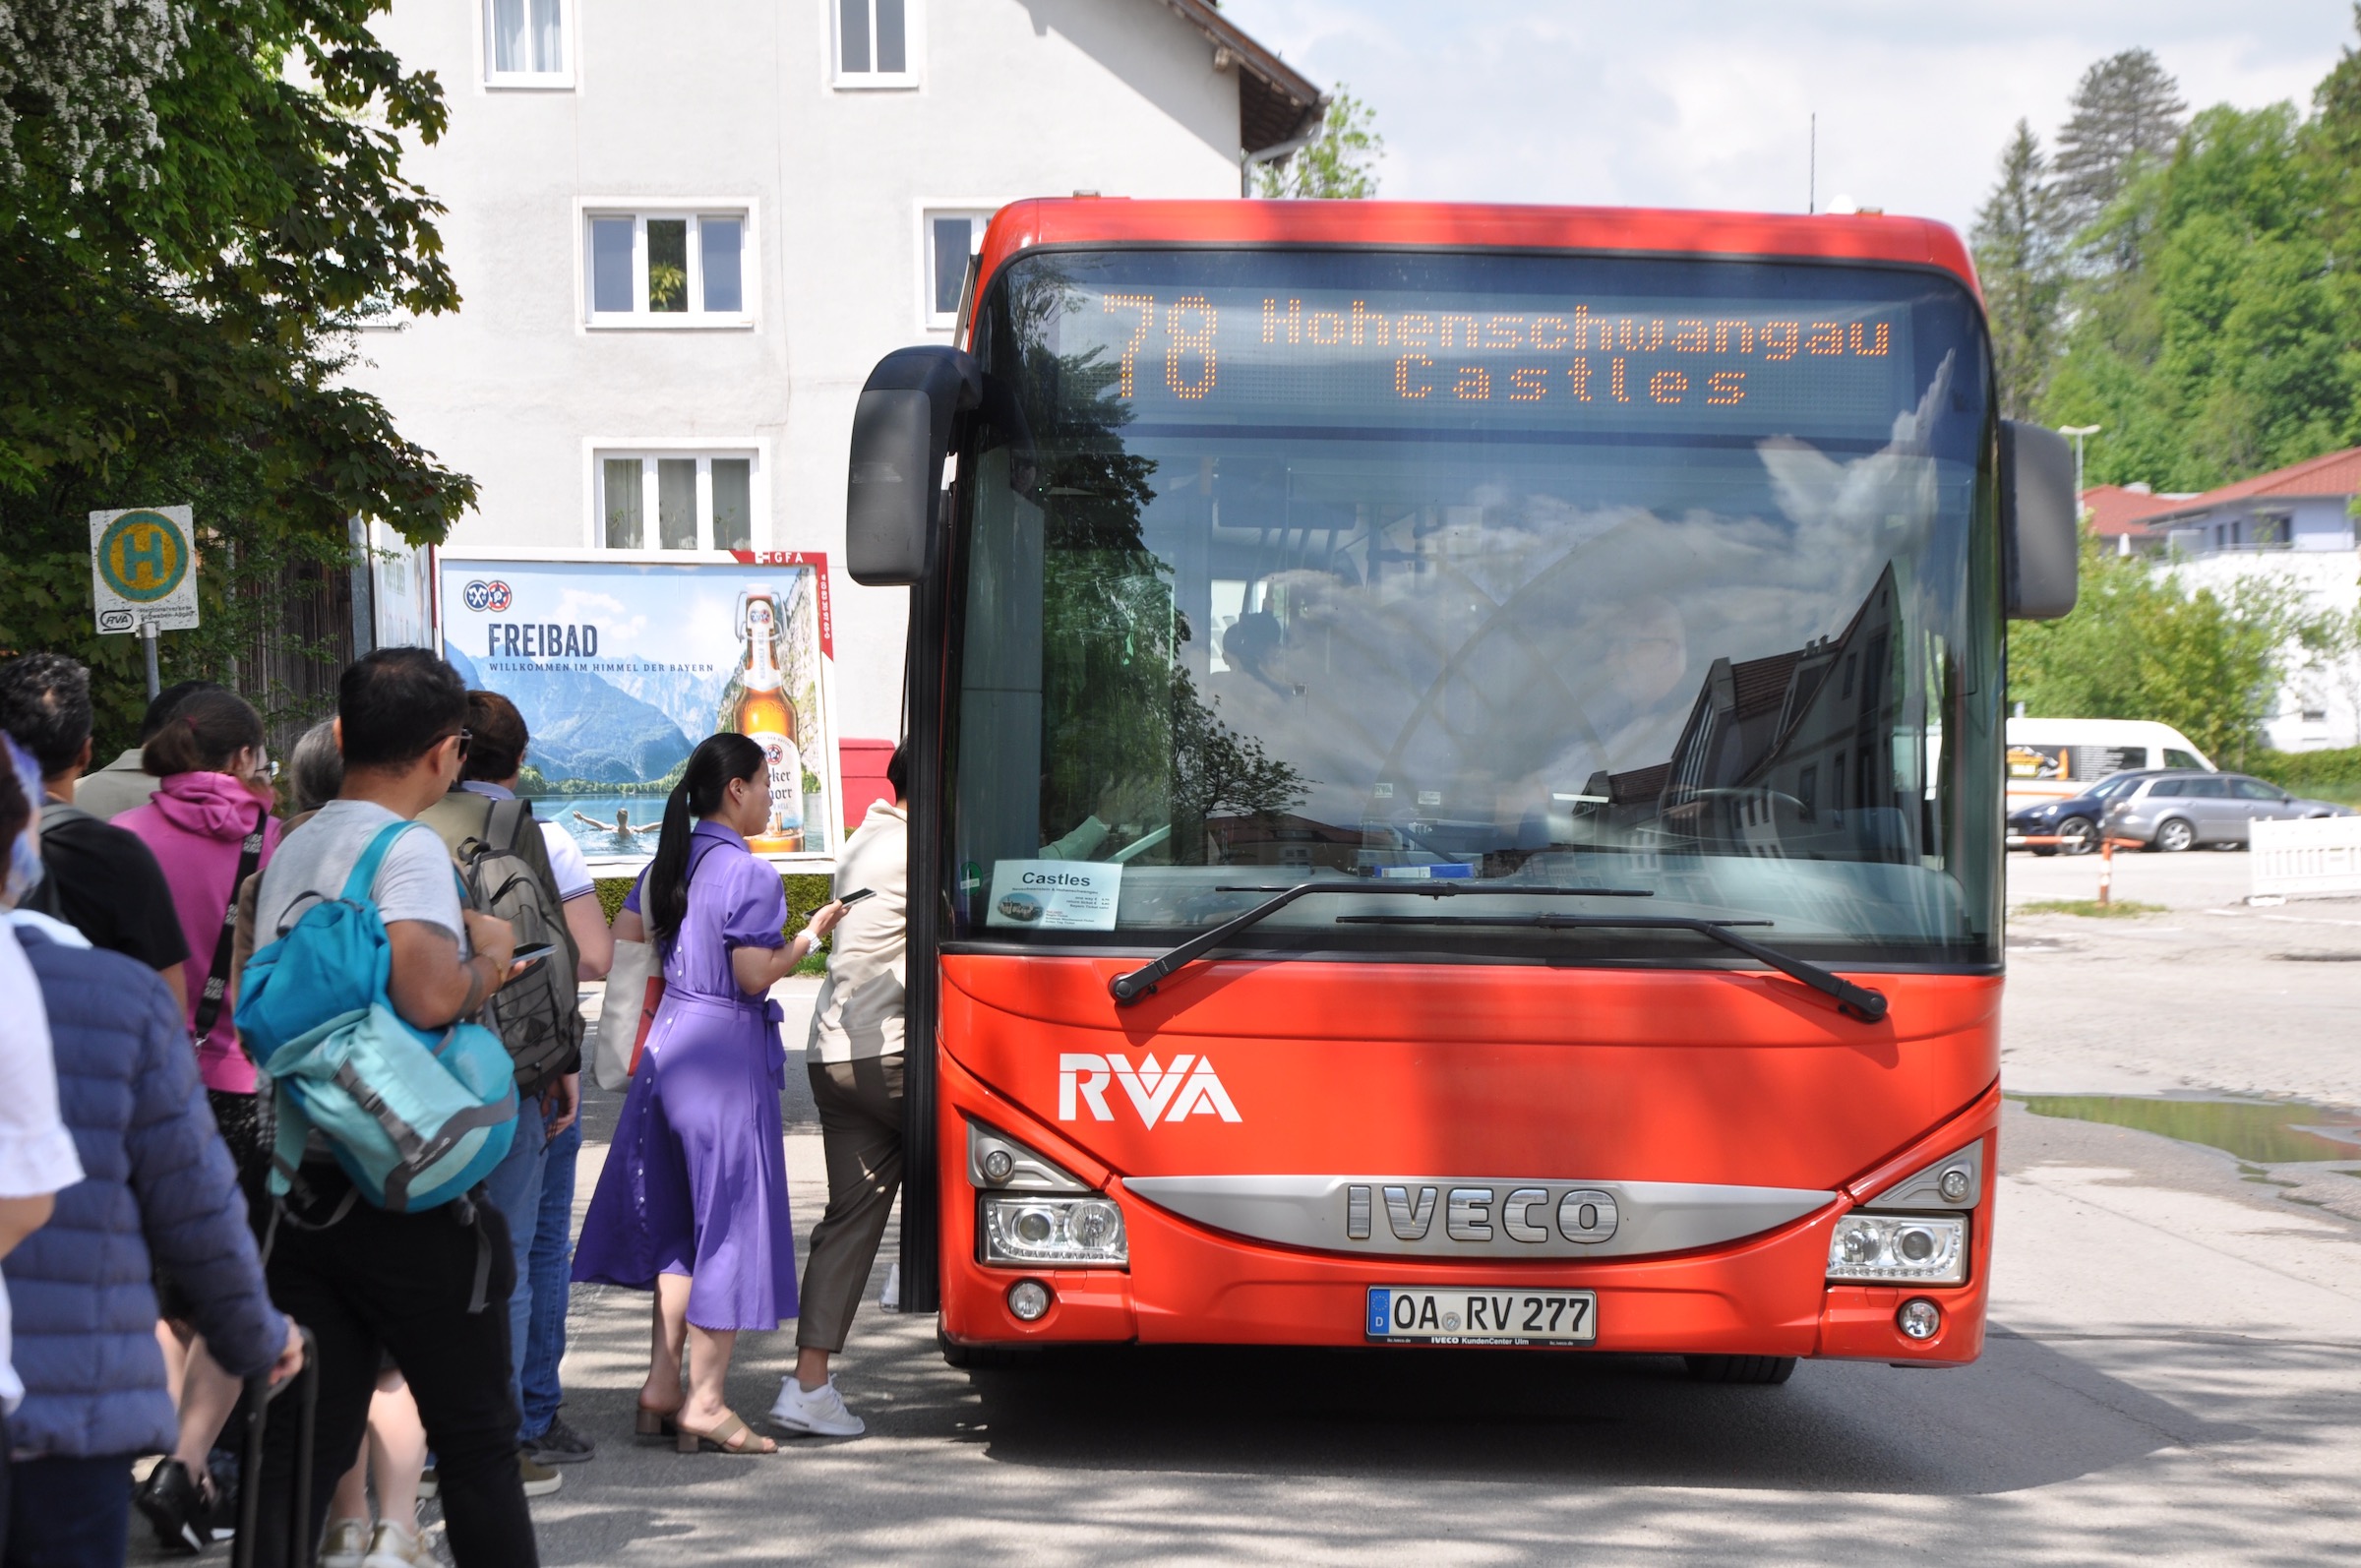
{"x": 1403, "y": 1314}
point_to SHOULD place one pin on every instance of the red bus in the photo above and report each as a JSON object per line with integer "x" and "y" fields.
{"x": 1457, "y": 779}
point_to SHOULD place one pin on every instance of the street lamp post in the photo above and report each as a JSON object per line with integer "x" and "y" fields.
{"x": 2078, "y": 432}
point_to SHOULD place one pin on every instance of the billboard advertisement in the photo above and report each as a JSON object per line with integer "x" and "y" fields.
{"x": 622, "y": 664}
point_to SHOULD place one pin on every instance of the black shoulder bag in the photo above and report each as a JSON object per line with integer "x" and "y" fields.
{"x": 216, "y": 980}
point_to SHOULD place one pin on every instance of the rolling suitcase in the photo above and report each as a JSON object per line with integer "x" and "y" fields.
{"x": 259, "y": 1397}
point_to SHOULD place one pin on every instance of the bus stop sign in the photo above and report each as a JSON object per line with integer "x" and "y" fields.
{"x": 144, "y": 570}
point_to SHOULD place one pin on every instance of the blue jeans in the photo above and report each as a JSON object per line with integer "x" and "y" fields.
{"x": 69, "y": 1513}
{"x": 552, "y": 1271}
{"x": 515, "y": 1188}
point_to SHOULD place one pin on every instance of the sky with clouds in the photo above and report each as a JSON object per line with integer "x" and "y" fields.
{"x": 1708, "y": 102}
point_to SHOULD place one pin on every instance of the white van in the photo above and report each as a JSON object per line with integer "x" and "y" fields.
{"x": 2056, "y": 759}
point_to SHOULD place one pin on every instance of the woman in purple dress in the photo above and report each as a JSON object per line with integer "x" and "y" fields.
{"x": 692, "y": 1201}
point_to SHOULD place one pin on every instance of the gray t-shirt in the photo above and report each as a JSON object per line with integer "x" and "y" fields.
{"x": 415, "y": 881}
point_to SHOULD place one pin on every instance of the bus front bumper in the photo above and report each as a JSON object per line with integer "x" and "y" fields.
{"x": 1767, "y": 1294}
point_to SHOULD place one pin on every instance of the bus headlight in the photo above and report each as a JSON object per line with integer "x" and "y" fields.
{"x": 1033, "y": 1229}
{"x": 1925, "y": 1249}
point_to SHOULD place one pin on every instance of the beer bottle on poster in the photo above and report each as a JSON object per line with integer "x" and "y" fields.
{"x": 766, "y": 717}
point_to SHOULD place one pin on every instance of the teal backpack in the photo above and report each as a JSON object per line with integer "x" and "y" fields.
{"x": 415, "y": 1118}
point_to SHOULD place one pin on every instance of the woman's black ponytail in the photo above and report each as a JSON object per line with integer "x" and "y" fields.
{"x": 717, "y": 759}
{"x": 204, "y": 734}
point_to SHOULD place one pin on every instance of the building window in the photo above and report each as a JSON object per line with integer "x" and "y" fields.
{"x": 668, "y": 269}
{"x": 528, "y": 43}
{"x": 665, "y": 499}
{"x": 875, "y": 43}
{"x": 948, "y": 240}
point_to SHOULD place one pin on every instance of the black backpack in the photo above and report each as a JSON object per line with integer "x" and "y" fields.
{"x": 505, "y": 864}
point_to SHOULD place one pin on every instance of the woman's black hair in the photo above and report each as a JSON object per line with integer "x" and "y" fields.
{"x": 716, "y": 761}
{"x": 203, "y": 733}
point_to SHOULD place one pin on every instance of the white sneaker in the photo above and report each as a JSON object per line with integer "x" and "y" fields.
{"x": 348, "y": 1542}
{"x": 818, "y": 1410}
{"x": 393, "y": 1547}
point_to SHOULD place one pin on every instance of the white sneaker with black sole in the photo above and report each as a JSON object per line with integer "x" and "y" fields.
{"x": 818, "y": 1411}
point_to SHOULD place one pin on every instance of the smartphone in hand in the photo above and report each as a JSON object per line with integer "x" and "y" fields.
{"x": 524, "y": 959}
{"x": 856, "y": 896}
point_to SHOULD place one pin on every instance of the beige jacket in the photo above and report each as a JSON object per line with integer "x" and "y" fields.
{"x": 859, "y": 1013}
{"x": 116, "y": 788}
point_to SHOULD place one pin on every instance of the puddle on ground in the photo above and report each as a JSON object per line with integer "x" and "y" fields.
{"x": 2271, "y": 1132}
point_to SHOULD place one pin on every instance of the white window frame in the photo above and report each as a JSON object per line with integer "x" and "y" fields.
{"x": 929, "y": 319}
{"x": 598, "y": 449}
{"x": 562, "y": 81}
{"x": 914, "y": 44}
{"x": 695, "y": 210}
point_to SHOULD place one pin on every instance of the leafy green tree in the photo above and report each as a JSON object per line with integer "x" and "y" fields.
{"x": 2226, "y": 352}
{"x": 1340, "y": 162}
{"x": 185, "y": 249}
{"x": 2017, "y": 256}
{"x": 2143, "y": 644}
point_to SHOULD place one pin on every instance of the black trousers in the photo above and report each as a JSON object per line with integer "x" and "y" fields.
{"x": 374, "y": 1284}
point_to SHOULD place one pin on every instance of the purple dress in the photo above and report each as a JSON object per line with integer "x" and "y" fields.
{"x": 696, "y": 1181}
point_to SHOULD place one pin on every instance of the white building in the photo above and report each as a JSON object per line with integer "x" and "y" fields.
{"x": 2294, "y": 526}
{"x": 685, "y": 234}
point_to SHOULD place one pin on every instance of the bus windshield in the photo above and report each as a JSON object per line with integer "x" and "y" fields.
{"x": 1674, "y": 578}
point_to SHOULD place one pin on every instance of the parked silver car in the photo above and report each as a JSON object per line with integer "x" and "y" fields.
{"x": 2173, "y": 811}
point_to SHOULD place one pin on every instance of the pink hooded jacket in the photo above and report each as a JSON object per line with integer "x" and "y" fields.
{"x": 195, "y": 825}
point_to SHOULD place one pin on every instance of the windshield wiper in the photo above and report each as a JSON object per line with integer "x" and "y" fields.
{"x": 1857, "y": 1001}
{"x": 1143, "y": 982}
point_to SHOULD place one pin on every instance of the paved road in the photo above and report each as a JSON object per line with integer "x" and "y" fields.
{"x": 2174, "y": 1374}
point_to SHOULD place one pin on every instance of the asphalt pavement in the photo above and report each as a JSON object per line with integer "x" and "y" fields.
{"x": 2173, "y": 1373}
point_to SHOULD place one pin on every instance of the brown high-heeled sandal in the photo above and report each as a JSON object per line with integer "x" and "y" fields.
{"x": 732, "y": 1436}
{"x": 656, "y": 1423}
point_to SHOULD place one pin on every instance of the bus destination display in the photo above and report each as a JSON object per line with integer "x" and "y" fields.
{"x": 1245, "y": 355}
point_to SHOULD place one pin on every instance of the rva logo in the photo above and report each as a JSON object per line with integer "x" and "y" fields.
{"x": 493, "y": 595}
{"x": 1187, "y": 1088}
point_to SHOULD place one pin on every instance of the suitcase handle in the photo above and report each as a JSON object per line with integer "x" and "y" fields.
{"x": 305, "y": 1384}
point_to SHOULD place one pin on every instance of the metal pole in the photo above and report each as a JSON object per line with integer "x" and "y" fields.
{"x": 2078, "y": 432}
{"x": 1811, "y": 186}
{"x": 148, "y": 644}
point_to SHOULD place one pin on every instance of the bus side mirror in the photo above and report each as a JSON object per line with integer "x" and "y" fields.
{"x": 2039, "y": 518}
{"x": 901, "y": 433}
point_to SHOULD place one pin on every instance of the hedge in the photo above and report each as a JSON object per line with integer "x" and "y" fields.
{"x": 2333, "y": 775}
{"x": 804, "y": 894}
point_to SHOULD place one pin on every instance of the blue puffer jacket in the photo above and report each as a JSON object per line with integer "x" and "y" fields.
{"x": 157, "y": 1180}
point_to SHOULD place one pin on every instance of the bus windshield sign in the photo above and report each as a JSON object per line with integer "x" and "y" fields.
{"x": 1311, "y": 357}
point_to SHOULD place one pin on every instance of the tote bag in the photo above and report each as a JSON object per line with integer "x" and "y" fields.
{"x": 634, "y": 988}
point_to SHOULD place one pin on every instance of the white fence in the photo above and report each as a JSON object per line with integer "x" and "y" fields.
{"x": 2316, "y": 858}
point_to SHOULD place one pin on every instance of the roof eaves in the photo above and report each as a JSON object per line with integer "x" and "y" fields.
{"x": 2295, "y": 482}
{"x": 1230, "y": 39}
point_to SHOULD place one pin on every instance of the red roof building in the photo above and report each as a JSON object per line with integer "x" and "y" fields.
{"x": 2303, "y": 507}
{"x": 2292, "y": 527}
{"x": 2117, "y": 510}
